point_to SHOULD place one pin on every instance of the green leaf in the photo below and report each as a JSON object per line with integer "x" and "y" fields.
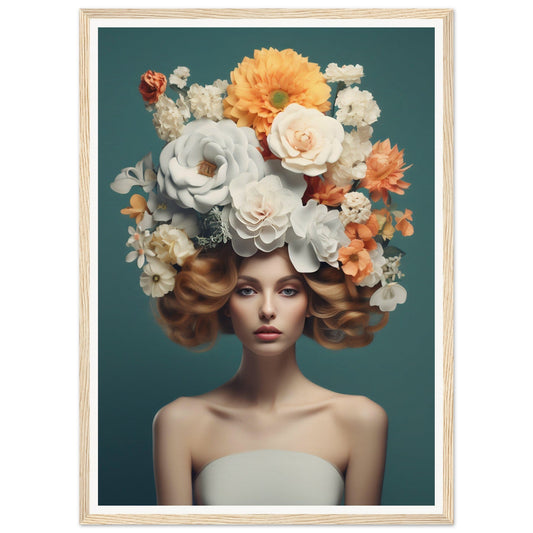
{"x": 391, "y": 251}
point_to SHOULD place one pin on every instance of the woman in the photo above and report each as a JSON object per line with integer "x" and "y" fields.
{"x": 226, "y": 436}
{"x": 256, "y": 224}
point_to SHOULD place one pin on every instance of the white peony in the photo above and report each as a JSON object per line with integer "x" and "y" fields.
{"x": 315, "y": 236}
{"x": 224, "y": 149}
{"x": 356, "y": 108}
{"x": 157, "y": 278}
{"x": 378, "y": 262}
{"x": 349, "y": 74}
{"x": 260, "y": 214}
{"x": 355, "y": 207}
{"x": 206, "y": 101}
{"x": 179, "y": 77}
{"x": 171, "y": 245}
{"x": 305, "y": 139}
{"x": 169, "y": 117}
{"x": 389, "y": 296}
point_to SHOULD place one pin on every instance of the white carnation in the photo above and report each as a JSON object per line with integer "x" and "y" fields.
{"x": 356, "y": 147}
{"x": 169, "y": 117}
{"x": 179, "y": 77}
{"x": 349, "y": 74}
{"x": 206, "y": 101}
{"x": 356, "y": 108}
{"x": 221, "y": 84}
{"x": 356, "y": 207}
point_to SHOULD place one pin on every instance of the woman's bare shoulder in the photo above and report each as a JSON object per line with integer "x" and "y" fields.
{"x": 182, "y": 411}
{"x": 359, "y": 411}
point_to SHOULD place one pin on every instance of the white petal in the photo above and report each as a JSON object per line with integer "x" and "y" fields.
{"x": 303, "y": 256}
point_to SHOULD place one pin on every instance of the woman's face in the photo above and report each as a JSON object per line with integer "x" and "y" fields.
{"x": 269, "y": 304}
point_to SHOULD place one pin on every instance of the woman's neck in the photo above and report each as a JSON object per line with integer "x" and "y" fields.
{"x": 269, "y": 381}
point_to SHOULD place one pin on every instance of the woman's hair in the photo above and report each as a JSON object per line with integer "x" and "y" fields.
{"x": 194, "y": 313}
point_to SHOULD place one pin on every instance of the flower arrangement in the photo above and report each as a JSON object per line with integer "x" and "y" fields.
{"x": 264, "y": 161}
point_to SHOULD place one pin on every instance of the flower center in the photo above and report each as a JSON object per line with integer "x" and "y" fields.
{"x": 303, "y": 140}
{"x": 279, "y": 99}
{"x": 205, "y": 168}
{"x": 162, "y": 205}
{"x": 156, "y": 278}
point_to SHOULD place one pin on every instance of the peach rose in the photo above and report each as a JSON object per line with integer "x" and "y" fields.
{"x": 152, "y": 86}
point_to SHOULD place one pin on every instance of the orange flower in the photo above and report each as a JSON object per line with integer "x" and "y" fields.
{"x": 364, "y": 232}
{"x": 324, "y": 192}
{"x": 384, "y": 170}
{"x": 384, "y": 219}
{"x": 263, "y": 86}
{"x": 356, "y": 261}
{"x": 138, "y": 206}
{"x": 152, "y": 86}
{"x": 402, "y": 223}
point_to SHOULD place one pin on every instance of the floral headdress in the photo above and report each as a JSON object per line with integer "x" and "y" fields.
{"x": 267, "y": 161}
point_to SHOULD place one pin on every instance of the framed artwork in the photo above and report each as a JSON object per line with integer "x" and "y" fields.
{"x": 129, "y": 368}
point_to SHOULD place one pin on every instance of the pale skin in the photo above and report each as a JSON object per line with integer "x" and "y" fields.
{"x": 269, "y": 403}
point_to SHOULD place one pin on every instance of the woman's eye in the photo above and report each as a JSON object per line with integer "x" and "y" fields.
{"x": 245, "y": 291}
{"x": 289, "y": 292}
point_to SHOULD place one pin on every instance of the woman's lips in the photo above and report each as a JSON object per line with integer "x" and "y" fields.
{"x": 267, "y": 333}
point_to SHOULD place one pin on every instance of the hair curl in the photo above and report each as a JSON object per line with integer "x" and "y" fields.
{"x": 194, "y": 313}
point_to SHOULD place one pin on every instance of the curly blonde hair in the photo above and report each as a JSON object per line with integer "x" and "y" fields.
{"x": 194, "y": 313}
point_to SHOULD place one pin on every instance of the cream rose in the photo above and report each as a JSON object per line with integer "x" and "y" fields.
{"x": 171, "y": 245}
{"x": 305, "y": 139}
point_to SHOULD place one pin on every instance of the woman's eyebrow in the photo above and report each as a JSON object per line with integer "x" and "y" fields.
{"x": 290, "y": 277}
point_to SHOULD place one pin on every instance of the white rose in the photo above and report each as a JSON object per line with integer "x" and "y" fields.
{"x": 197, "y": 168}
{"x": 315, "y": 236}
{"x": 260, "y": 214}
{"x": 171, "y": 245}
{"x": 305, "y": 139}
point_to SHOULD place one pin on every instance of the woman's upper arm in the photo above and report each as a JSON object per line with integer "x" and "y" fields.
{"x": 172, "y": 458}
{"x": 368, "y": 443}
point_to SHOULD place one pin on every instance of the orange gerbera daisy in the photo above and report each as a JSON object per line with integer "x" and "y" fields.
{"x": 402, "y": 223}
{"x": 384, "y": 171}
{"x": 356, "y": 261}
{"x": 364, "y": 232}
{"x": 138, "y": 206}
{"x": 324, "y": 192}
{"x": 263, "y": 86}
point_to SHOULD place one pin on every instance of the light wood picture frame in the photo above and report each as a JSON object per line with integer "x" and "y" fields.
{"x": 441, "y": 21}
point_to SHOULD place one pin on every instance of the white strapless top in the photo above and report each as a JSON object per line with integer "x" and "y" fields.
{"x": 269, "y": 477}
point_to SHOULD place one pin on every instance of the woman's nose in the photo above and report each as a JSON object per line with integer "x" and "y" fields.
{"x": 267, "y": 309}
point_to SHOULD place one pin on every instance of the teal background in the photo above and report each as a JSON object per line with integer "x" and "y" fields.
{"x": 140, "y": 370}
